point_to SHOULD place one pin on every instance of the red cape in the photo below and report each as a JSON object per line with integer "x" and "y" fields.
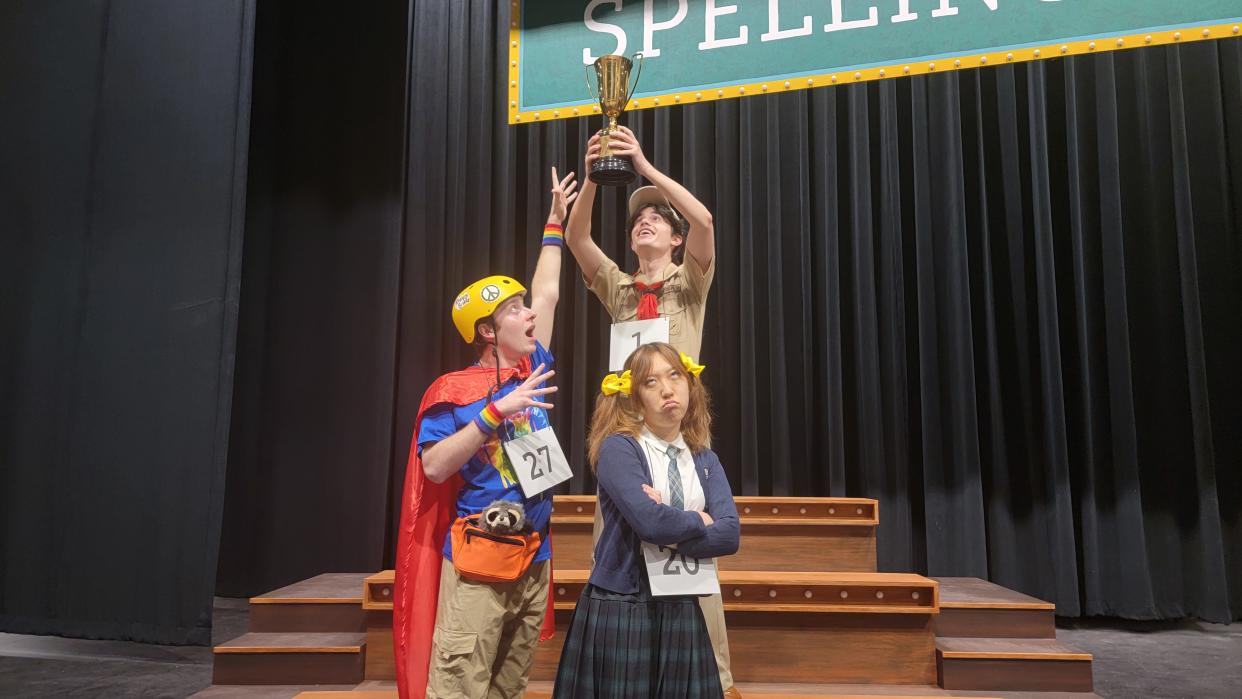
{"x": 427, "y": 511}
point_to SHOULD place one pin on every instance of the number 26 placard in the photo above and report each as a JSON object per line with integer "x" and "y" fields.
{"x": 673, "y": 573}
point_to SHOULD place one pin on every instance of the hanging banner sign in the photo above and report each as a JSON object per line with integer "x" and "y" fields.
{"x": 702, "y": 50}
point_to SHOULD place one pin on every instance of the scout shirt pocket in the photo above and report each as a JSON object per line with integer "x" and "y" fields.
{"x": 673, "y": 306}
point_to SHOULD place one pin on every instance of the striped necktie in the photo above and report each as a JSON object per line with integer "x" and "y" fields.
{"x": 677, "y": 499}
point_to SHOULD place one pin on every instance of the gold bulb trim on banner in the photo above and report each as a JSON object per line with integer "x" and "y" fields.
{"x": 964, "y": 61}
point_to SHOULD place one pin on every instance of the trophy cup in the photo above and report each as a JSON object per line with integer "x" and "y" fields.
{"x": 612, "y": 73}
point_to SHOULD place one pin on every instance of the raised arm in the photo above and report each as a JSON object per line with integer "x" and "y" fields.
{"x": 578, "y": 231}
{"x": 701, "y": 242}
{"x": 545, "y": 285}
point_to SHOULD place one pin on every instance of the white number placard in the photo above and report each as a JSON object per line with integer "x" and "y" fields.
{"x": 539, "y": 461}
{"x": 626, "y": 337}
{"x": 673, "y": 573}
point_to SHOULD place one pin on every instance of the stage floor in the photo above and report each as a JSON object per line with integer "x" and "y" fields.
{"x": 1132, "y": 659}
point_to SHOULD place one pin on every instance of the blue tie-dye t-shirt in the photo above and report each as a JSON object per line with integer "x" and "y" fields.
{"x": 489, "y": 476}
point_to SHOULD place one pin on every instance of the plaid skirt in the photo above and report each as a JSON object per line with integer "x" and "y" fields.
{"x": 637, "y": 647}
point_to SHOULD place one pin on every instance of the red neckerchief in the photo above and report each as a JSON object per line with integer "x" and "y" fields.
{"x": 648, "y": 302}
{"x": 427, "y": 512}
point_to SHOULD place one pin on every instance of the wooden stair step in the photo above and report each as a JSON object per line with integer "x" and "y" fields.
{"x": 580, "y": 509}
{"x": 778, "y": 533}
{"x": 750, "y": 690}
{"x": 975, "y": 608}
{"x": 547, "y": 694}
{"x": 330, "y": 602}
{"x": 880, "y": 630}
{"x": 293, "y": 642}
{"x": 293, "y": 658}
{"x": 775, "y": 592}
{"x": 265, "y": 691}
{"x": 543, "y": 690}
{"x": 1027, "y": 664}
{"x": 752, "y": 591}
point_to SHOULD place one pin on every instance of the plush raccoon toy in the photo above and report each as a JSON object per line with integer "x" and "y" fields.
{"x": 504, "y": 517}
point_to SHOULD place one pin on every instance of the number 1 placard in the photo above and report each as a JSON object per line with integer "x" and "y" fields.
{"x": 538, "y": 460}
{"x": 626, "y": 337}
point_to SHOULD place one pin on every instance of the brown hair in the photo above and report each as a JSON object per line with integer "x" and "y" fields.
{"x": 622, "y": 414}
{"x": 680, "y": 226}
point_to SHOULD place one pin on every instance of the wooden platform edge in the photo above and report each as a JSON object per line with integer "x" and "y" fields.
{"x": 305, "y": 600}
{"x": 1011, "y": 655}
{"x": 240, "y": 650}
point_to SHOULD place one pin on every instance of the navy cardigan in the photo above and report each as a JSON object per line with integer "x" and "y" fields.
{"x": 630, "y": 516}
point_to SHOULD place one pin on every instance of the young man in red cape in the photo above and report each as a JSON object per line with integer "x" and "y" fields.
{"x": 454, "y": 637}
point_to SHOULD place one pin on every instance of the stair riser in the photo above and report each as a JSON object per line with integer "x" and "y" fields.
{"x": 995, "y": 623}
{"x": 307, "y": 618}
{"x": 288, "y": 668}
{"x": 763, "y": 547}
{"x": 852, "y": 648}
{"x": 1015, "y": 675}
{"x": 823, "y": 648}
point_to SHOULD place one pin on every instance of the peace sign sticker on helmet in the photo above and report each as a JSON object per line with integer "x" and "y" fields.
{"x": 490, "y": 293}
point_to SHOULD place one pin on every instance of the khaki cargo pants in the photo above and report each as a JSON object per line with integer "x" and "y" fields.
{"x": 713, "y": 615}
{"x": 485, "y": 637}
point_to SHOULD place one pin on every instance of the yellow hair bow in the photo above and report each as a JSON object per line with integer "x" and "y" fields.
{"x": 689, "y": 364}
{"x": 616, "y": 384}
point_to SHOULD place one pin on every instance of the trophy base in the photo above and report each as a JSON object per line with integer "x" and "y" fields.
{"x": 613, "y": 171}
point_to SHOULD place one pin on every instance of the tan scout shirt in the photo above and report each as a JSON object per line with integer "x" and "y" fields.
{"x": 682, "y": 301}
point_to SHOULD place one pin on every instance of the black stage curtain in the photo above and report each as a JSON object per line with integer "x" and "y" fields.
{"x": 122, "y": 192}
{"x": 1001, "y": 301}
{"x": 312, "y": 417}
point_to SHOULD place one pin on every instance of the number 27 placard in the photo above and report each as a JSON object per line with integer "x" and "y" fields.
{"x": 538, "y": 460}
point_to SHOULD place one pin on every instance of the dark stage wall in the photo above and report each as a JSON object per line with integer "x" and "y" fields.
{"x": 122, "y": 194}
{"x": 1004, "y": 302}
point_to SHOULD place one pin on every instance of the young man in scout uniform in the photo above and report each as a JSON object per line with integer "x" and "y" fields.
{"x": 456, "y": 637}
{"x": 673, "y": 236}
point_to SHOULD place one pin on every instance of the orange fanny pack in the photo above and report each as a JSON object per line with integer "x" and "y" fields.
{"x": 485, "y": 556}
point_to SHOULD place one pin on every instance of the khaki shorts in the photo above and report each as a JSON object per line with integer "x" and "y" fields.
{"x": 485, "y": 637}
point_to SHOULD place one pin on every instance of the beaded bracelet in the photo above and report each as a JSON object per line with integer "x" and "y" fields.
{"x": 553, "y": 234}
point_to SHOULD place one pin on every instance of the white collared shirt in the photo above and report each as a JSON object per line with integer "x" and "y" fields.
{"x": 657, "y": 461}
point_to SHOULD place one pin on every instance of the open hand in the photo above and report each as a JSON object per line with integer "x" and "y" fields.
{"x": 563, "y": 195}
{"x": 526, "y": 395}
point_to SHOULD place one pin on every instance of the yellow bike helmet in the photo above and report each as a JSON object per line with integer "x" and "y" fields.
{"x": 479, "y": 301}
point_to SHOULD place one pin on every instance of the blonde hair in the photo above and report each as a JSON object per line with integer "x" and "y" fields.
{"x": 622, "y": 414}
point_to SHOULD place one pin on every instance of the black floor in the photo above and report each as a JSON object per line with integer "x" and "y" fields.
{"x": 1132, "y": 659}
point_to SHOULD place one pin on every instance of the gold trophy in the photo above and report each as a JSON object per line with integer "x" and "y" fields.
{"x": 612, "y": 73}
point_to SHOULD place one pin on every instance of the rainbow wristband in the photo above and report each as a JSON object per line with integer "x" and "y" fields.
{"x": 488, "y": 419}
{"x": 553, "y": 234}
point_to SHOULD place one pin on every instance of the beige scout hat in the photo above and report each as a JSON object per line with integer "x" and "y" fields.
{"x": 651, "y": 195}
